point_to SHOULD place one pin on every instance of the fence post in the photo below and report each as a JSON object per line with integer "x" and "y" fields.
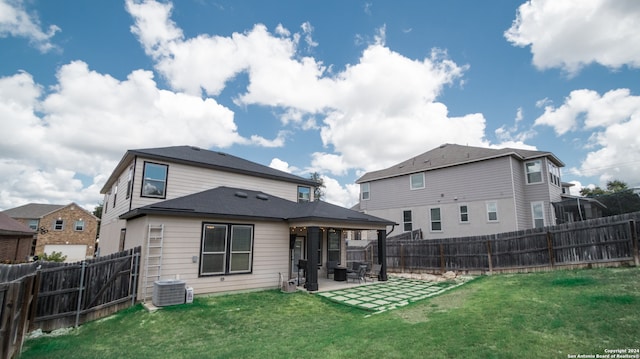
{"x": 489, "y": 256}
{"x": 550, "y": 246}
{"x": 401, "y": 258}
{"x": 634, "y": 239}
{"x": 80, "y": 290}
{"x": 133, "y": 276}
{"x": 442, "y": 262}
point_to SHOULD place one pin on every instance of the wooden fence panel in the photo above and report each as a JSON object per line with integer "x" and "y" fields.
{"x": 603, "y": 240}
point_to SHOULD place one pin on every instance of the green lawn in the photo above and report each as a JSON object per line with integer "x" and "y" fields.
{"x": 540, "y": 315}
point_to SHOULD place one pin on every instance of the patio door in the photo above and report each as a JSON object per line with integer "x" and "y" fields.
{"x": 297, "y": 253}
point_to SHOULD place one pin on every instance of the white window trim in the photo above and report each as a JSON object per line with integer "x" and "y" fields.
{"x": 460, "y": 214}
{"x": 431, "y": 221}
{"x": 411, "y": 181}
{"x": 526, "y": 174}
{"x": 404, "y": 223}
{"x": 533, "y": 217}
{"x": 497, "y": 211}
{"x": 362, "y": 191}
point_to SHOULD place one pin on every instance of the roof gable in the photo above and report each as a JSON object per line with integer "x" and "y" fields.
{"x": 9, "y": 226}
{"x": 33, "y": 210}
{"x": 198, "y": 157}
{"x": 448, "y": 155}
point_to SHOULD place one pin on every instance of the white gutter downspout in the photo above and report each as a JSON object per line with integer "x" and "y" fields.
{"x": 513, "y": 190}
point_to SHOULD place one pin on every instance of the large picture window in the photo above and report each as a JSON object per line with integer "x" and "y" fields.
{"x": 226, "y": 249}
{"x": 155, "y": 180}
{"x": 533, "y": 171}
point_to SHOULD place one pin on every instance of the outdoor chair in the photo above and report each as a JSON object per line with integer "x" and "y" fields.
{"x": 359, "y": 274}
{"x": 375, "y": 271}
{"x": 331, "y": 266}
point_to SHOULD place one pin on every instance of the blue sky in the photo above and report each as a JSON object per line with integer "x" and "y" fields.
{"x": 335, "y": 87}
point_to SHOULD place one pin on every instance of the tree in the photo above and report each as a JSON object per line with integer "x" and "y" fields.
{"x": 318, "y": 193}
{"x": 98, "y": 211}
{"x": 617, "y": 197}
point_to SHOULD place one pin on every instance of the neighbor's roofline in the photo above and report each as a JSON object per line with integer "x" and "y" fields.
{"x": 506, "y": 154}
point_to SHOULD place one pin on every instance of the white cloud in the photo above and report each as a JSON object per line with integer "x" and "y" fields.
{"x": 378, "y": 111}
{"x": 614, "y": 119}
{"x": 335, "y": 193}
{"x": 571, "y": 34}
{"x": 282, "y": 165}
{"x": 276, "y": 142}
{"x": 84, "y": 125}
{"x": 17, "y": 22}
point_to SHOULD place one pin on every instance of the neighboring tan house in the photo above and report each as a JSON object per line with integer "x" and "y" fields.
{"x": 457, "y": 191}
{"x": 219, "y": 222}
{"x": 69, "y": 229}
{"x": 15, "y": 240}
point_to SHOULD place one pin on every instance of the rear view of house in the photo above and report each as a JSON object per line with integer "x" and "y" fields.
{"x": 456, "y": 191}
{"x": 221, "y": 223}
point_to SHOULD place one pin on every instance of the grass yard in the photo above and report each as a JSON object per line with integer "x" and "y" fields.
{"x": 538, "y": 315}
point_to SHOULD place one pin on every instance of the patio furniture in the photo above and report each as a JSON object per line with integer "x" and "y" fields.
{"x": 331, "y": 265}
{"x": 359, "y": 274}
{"x": 375, "y": 271}
{"x": 340, "y": 274}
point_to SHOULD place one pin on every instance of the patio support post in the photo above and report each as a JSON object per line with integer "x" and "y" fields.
{"x": 313, "y": 240}
{"x": 382, "y": 254}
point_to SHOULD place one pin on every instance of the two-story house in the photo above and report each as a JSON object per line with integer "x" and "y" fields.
{"x": 219, "y": 222}
{"x": 69, "y": 229}
{"x": 457, "y": 191}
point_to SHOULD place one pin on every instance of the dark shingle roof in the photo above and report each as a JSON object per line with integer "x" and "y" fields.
{"x": 33, "y": 210}
{"x": 9, "y": 226}
{"x": 195, "y": 156}
{"x": 453, "y": 155}
{"x": 236, "y": 203}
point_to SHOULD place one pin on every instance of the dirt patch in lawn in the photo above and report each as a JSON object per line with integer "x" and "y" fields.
{"x": 420, "y": 313}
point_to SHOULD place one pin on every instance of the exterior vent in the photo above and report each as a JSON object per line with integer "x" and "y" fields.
{"x": 168, "y": 292}
{"x": 241, "y": 194}
{"x": 263, "y": 197}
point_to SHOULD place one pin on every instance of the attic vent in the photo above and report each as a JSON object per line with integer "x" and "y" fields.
{"x": 261, "y": 196}
{"x": 195, "y": 148}
{"x": 241, "y": 194}
{"x": 222, "y": 153}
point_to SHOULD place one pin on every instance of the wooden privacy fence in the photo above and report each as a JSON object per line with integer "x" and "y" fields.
{"x": 48, "y": 295}
{"x": 609, "y": 240}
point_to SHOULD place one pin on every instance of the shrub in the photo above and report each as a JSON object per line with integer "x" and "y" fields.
{"x": 53, "y": 257}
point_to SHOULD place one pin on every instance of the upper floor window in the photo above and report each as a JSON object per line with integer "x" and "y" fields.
{"x": 155, "y": 180}
{"x": 436, "y": 220}
{"x": 364, "y": 191}
{"x": 129, "y": 179}
{"x": 492, "y": 211}
{"x": 226, "y": 249}
{"x": 406, "y": 219}
{"x": 58, "y": 224}
{"x": 554, "y": 175}
{"x": 537, "y": 211}
{"x": 79, "y": 225}
{"x": 533, "y": 171}
{"x": 304, "y": 194}
{"x": 115, "y": 194}
{"x": 34, "y": 223}
{"x": 417, "y": 180}
{"x": 464, "y": 213}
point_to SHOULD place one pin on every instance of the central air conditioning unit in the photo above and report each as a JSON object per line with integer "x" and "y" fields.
{"x": 168, "y": 292}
